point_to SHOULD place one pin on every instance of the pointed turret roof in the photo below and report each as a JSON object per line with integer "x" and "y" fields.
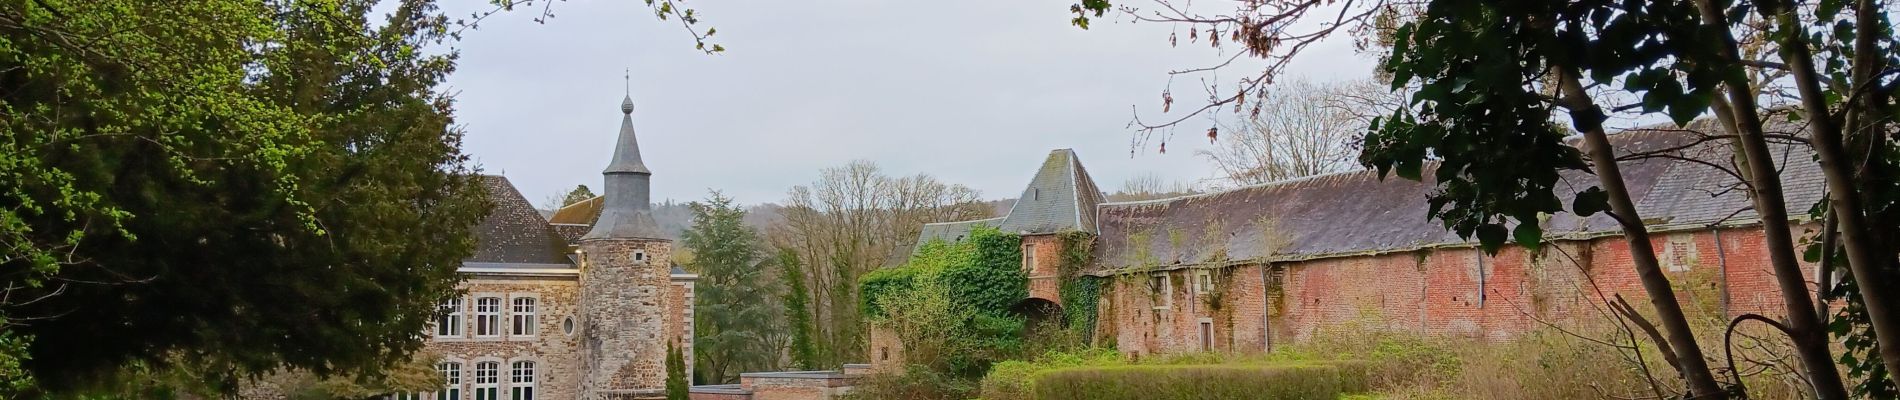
{"x": 627, "y": 153}
{"x": 1062, "y": 197}
{"x": 627, "y": 211}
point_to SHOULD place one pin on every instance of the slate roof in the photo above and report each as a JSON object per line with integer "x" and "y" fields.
{"x": 513, "y": 232}
{"x": 1356, "y": 213}
{"x": 951, "y": 231}
{"x": 1061, "y": 197}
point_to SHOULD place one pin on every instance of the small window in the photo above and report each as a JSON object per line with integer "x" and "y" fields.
{"x": 567, "y": 325}
{"x": 1035, "y": 194}
{"x": 522, "y": 317}
{"x": 1029, "y": 257}
{"x": 521, "y": 381}
{"x": 452, "y": 381}
{"x": 1158, "y": 285}
{"x": 884, "y": 353}
{"x": 448, "y": 321}
{"x": 1203, "y": 282}
{"x": 488, "y": 316}
{"x": 487, "y": 380}
{"x": 639, "y": 255}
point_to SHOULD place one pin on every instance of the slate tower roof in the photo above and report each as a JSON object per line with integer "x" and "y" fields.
{"x": 626, "y": 212}
{"x": 1062, "y": 197}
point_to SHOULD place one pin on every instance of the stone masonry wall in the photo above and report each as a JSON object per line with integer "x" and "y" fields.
{"x": 1440, "y": 292}
{"x": 625, "y": 303}
{"x": 554, "y": 351}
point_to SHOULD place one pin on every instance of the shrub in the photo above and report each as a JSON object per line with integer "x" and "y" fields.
{"x": 1215, "y": 382}
{"x": 1015, "y": 380}
{"x": 916, "y": 382}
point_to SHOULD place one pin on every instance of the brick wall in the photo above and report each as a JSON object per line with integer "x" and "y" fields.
{"x": 1441, "y": 292}
{"x": 1042, "y": 257}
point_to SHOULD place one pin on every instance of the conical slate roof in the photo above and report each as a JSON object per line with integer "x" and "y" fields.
{"x": 626, "y": 213}
{"x": 1062, "y": 197}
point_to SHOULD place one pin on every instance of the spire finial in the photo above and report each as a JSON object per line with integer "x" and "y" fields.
{"x": 626, "y": 104}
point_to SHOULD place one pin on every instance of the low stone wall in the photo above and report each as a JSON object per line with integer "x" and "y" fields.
{"x": 790, "y": 385}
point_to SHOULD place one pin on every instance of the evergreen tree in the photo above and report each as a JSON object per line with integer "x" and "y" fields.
{"x": 733, "y": 310}
{"x": 676, "y": 386}
{"x": 231, "y": 186}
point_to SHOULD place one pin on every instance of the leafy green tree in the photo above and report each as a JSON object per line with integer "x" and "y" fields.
{"x": 797, "y": 311}
{"x": 733, "y": 303}
{"x": 180, "y": 196}
{"x": 579, "y": 194}
{"x": 676, "y": 386}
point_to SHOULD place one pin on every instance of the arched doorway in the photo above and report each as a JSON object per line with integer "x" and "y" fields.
{"x": 1041, "y": 314}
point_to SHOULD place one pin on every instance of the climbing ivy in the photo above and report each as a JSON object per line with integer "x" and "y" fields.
{"x": 1081, "y": 294}
{"x": 983, "y": 271}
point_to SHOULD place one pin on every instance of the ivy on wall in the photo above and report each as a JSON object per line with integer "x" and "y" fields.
{"x": 1081, "y": 295}
{"x": 983, "y": 271}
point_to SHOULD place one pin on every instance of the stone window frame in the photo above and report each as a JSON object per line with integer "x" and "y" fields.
{"x": 1164, "y": 291}
{"x": 459, "y": 318}
{"x": 475, "y": 315}
{"x": 640, "y": 256}
{"x": 457, "y": 384}
{"x": 474, "y": 378}
{"x": 1029, "y": 256}
{"x": 536, "y": 376}
{"x": 534, "y": 315}
{"x": 1203, "y": 281}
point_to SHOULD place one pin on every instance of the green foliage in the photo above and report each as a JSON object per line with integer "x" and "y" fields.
{"x": 1016, "y": 379}
{"x": 206, "y": 201}
{"x": 878, "y": 285}
{"x": 733, "y": 309}
{"x": 580, "y": 193}
{"x": 992, "y": 280}
{"x": 916, "y": 382}
{"x": 797, "y": 311}
{"x": 676, "y": 386}
{"x": 1081, "y": 294}
{"x": 1260, "y": 382}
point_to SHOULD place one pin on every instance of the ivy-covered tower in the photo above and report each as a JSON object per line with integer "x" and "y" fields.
{"x": 624, "y": 283}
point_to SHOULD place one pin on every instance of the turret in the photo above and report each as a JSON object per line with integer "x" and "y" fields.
{"x": 625, "y": 278}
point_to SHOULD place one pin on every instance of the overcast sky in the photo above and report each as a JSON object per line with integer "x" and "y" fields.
{"x": 973, "y": 92}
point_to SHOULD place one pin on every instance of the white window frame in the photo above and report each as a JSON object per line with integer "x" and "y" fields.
{"x": 521, "y": 380}
{"x": 1164, "y": 289}
{"x": 488, "y": 316}
{"x": 1203, "y": 281}
{"x": 524, "y": 321}
{"x": 1029, "y": 257}
{"x": 449, "y": 320}
{"x": 452, "y": 377}
{"x": 487, "y": 382}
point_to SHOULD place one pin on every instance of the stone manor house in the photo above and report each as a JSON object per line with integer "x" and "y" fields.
{"x": 1243, "y": 269}
{"x": 579, "y": 310}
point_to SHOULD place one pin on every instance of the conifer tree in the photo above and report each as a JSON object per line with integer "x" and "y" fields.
{"x": 734, "y": 309}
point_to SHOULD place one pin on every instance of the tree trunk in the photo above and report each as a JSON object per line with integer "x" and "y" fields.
{"x": 1863, "y": 252}
{"x": 1589, "y": 119}
{"x": 1804, "y": 325}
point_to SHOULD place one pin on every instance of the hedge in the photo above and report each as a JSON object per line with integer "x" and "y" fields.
{"x": 1214, "y": 382}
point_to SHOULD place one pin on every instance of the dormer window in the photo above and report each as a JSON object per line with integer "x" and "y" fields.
{"x": 1035, "y": 194}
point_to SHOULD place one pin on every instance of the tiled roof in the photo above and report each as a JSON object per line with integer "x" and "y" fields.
{"x": 1358, "y": 213}
{"x": 580, "y": 213}
{"x": 570, "y": 232}
{"x": 1061, "y": 197}
{"x": 514, "y": 233}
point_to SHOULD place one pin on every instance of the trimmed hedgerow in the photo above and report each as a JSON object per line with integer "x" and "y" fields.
{"x": 1213, "y": 382}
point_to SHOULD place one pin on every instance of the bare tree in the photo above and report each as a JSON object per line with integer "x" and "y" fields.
{"x": 1302, "y": 129}
{"x": 1150, "y": 186}
{"x": 852, "y": 220}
